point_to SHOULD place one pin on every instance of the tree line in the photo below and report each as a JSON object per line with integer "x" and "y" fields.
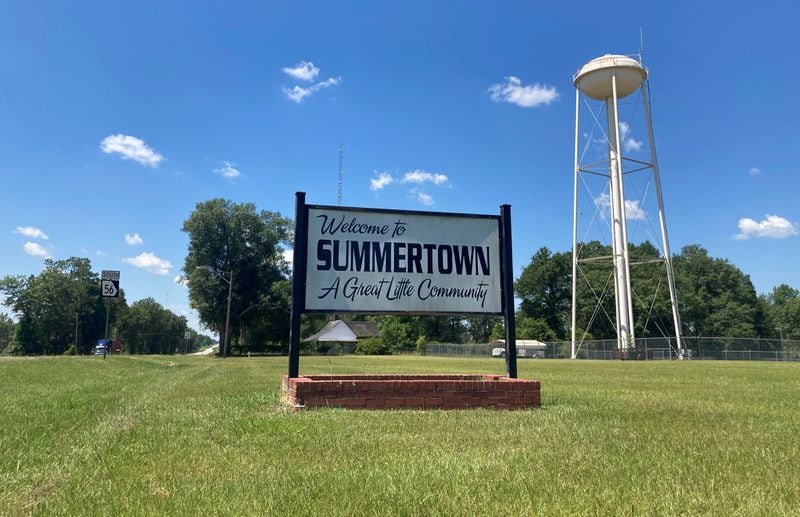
{"x": 60, "y": 311}
{"x": 715, "y": 298}
{"x": 239, "y": 283}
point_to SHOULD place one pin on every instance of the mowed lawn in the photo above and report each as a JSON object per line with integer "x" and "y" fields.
{"x": 203, "y": 436}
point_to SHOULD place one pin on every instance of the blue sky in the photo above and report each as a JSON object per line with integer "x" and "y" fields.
{"x": 116, "y": 119}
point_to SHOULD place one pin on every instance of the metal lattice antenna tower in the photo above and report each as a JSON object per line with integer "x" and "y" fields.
{"x": 341, "y": 173}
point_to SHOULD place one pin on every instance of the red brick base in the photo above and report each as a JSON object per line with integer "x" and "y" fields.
{"x": 411, "y": 391}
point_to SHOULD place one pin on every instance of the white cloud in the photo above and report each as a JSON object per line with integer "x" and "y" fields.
{"x": 513, "y": 92}
{"x": 228, "y": 171}
{"x": 382, "y": 180}
{"x": 424, "y": 198}
{"x": 30, "y": 231}
{"x": 603, "y": 203}
{"x": 754, "y": 171}
{"x": 133, "y": 240}
{"x": 773, "y": 227}
{"x": 628, "y": 142}
{"x": 288, "y": 256}
{"x": 35, "y": 249}
{"x": 181, "y": 280}
{"x": 151, "y": 263}
{"x": 298, "y": 93}
{"x": 633, "y": 210}
{"x": 415, "y": 177}
{"x": 131, "y": 148}
{"x": 419, "y": 176}
{"x": 101, "y": 253}
{"x": 304, "y": 70}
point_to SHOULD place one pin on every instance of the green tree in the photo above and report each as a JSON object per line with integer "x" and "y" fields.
{"x": 715, "y": 297}
{"x": 443, "y": 329}
{"x": 396, "y": 333}
{"x": 532, "y": 328}
{"x": 196, "y": 341}
{"x": 652, "y": 308}
{"x": 268, "y": 330}
{"x": 498, "y": 331}
{"x": 545, "y": 289}
{"x": 7, "y": 329}
{"x": 148, "y": 328}
{"x": 782, "y": 308}
{"x": 236, "y": 239}
{"x": 480, "y": 327}
{"x": 51, "y": 305}
{"x": 595, "y": 293}
{"x": 403, "y": 331}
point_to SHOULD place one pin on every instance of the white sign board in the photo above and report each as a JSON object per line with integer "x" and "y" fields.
{"x": 389, "y": 261}
{"x": 109, "y": 275}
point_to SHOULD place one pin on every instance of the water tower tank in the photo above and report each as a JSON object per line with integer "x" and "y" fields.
{"x": 594, "y": 79}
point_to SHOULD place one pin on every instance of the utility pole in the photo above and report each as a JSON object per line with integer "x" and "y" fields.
{"x": 228, "y": 315}
{"x": 224, "y": 345}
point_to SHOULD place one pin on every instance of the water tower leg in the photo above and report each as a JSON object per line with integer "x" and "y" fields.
{"x": 662, "y": 218}
{"x": 618, "y": 224}
{"x": 575, "y": 228}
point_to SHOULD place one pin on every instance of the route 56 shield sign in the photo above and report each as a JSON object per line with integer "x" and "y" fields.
{"x": 109, "y": 284}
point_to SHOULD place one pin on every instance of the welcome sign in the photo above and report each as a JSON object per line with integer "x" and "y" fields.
{"x": 362, "y": 260}
{"x": 386, "y": 261}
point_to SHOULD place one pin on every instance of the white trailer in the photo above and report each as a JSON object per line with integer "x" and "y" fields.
{"x": 525, "y": 348}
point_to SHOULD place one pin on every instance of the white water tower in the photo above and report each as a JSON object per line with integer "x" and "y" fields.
{"x": 603, "y": 82}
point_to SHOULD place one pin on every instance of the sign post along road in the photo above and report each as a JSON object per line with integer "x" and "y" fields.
{"x": 109, "y": 284}
{"x": 358, "y": 260}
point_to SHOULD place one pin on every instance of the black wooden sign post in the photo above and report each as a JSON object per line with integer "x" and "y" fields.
{"x": 508, "y": 292}
{"x": 298, "y": 281}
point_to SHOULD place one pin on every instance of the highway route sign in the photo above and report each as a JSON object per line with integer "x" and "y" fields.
{"x": 109, "y": 284}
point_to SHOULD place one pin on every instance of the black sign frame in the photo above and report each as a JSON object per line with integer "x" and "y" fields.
{"x": 299, "y": 280}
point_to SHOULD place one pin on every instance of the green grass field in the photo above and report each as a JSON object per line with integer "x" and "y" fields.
{"x": 190, "y": 436}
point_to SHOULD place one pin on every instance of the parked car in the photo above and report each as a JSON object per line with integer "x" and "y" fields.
{"x": 103, "y": 347}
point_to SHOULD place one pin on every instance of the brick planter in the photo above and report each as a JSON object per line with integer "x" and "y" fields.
{"x": 411, "y": 392}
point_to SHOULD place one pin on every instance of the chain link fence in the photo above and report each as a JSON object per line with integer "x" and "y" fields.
{"x": 654, "y": 349}
{"x": 468, "y": 349}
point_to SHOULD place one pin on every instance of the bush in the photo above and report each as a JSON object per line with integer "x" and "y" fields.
{"x": 372, "y": 346}
{"x": 421, "y": 344}
{"x": 16, "y": 349}
{"x": 395, "y": 334}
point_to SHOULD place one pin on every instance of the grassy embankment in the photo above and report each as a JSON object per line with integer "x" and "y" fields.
{"x": 194, "y": 435}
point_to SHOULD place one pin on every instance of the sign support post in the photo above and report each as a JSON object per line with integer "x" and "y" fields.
{"x": 298, "y": 282}
{"x": 508, "y": 292}
{"x": 108, "y": 304}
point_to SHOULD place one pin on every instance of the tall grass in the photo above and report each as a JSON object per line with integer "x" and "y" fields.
{"x": 188, "y": 436}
